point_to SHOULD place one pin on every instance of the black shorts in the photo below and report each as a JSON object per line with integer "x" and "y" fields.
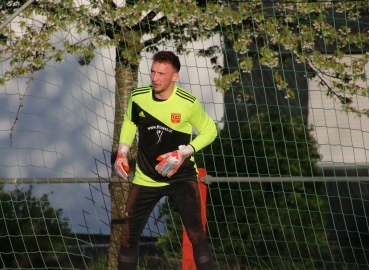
{"x": 142, "y": 200}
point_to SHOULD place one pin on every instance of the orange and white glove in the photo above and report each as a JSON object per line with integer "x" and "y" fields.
{"x": 121, "y": 165}
{"x": 170, "y": 162}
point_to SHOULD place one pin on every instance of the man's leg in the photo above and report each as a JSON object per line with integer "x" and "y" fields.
{"x": 187, "y": 198}
{"x": 140, "y": 203}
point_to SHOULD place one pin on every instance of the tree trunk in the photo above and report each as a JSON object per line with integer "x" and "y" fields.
{"x": 126, "y": 77}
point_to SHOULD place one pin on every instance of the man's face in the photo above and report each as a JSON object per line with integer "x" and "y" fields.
{"x": 163, "y": 77}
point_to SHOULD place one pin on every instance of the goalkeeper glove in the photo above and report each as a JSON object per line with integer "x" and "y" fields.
{"x": 170, "y": 162}
{"x": 121, "y": 165}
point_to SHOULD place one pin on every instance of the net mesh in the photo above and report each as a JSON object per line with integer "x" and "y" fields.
{"x": 286, "y": 83}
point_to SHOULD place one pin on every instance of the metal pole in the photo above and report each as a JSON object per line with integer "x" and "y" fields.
{"x": 208, "y": 179}
{"x": 15, "y": 14}
{"x": 62, "y": 180}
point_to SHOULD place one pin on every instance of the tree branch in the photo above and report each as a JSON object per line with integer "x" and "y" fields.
{"x": 19, "y": 107}
{"x": 156, "y": 39}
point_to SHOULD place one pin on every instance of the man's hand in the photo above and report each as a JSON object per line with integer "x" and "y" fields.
{"x": 170, "y": 162}
{"x": 121, "y": 165}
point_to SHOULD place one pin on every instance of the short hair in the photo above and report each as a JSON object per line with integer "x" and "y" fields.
{"x": 167, "y": 57}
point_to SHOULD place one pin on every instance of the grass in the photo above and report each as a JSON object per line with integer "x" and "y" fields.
{"x": 98, "y": 263}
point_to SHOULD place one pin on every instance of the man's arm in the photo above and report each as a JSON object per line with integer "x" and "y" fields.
{"x": 129, "y": 128}
{"x": 204, "y": 125}
{"x": 127, "y": 135}
{"x": 128, "y": 131}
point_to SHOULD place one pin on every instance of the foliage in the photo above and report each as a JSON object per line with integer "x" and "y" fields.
{"x": 265, "y": 145}
{"x": 98, "y": 262}
{"x": 169, "y": 243}
{"x": 31, "y": 230}
{"x": 269, "y": 224}
{"x": 255, "y": 28}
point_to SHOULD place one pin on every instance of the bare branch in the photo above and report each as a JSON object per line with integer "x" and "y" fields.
{"x": 19, "y": 107}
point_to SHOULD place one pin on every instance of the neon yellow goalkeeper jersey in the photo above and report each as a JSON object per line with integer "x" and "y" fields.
{"x": 162, "y": 126}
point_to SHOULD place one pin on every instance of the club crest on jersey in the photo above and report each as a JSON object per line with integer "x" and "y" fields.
{"x": 175, "y": 118}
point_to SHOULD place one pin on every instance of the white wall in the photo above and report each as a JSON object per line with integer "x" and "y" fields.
{"x": 343, "y": 138}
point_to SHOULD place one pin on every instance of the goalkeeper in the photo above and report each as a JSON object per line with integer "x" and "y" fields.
{"x": 164, "y": 115}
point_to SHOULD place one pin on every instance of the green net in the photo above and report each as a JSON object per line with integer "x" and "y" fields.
{"x": 286, "y": 82}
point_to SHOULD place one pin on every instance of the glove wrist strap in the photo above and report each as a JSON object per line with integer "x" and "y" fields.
{"x": 186, "y": 150}
{"x": 123, "y": 148}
